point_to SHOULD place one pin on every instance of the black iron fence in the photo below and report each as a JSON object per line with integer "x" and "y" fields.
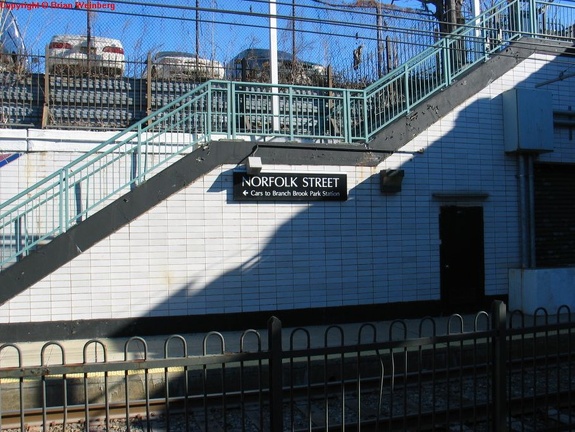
{"x": 493, "y": 371}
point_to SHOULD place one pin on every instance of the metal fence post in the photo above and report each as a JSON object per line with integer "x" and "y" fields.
{"x": 275, "y": 374}
{"x": 499, "y": 360}
{"x": 232, "y": 110}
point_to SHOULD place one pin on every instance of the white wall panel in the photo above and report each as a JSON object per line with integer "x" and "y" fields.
{"x": 199, "y": 252}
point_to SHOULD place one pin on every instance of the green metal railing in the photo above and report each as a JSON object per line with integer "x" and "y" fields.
{"x": 222, "y": 109}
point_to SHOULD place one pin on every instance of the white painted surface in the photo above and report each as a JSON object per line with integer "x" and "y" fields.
{"x": 199, "y": 252}
{"x": 531, "y": 289}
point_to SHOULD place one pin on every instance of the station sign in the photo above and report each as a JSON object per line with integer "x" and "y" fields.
{"x": 290, "y": 187}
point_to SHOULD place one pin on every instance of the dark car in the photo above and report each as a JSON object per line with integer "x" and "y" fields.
{"x": 254, "y": 65}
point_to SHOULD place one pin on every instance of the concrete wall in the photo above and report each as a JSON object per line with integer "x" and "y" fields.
{"x": 201, "y": 252}
{"x": 531, "y": 289}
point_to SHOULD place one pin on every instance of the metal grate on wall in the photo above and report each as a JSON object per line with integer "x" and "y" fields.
{"x": 554, "y": 214}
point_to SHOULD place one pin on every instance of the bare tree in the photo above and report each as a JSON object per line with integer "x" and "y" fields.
{"x": 379, "y": 8}
{"x": 449, "y": 13}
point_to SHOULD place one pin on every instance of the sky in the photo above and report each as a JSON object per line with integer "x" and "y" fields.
{"x": 226, "y": 26}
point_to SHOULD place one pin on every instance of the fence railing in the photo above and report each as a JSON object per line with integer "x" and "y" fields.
{"x": 494, "y": 370}
{"x": 234, "y": 109}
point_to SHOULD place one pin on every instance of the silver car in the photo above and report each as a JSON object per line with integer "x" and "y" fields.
{"x": 181, "y": 65}
{"x": 72, "y": 54}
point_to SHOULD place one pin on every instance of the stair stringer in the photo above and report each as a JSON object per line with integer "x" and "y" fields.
{"x": 65, "y": 247}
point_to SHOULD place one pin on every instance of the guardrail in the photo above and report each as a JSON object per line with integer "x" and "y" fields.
{"x": 232, "y": 109}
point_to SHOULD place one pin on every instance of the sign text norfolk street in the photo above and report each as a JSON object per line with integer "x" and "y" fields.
{"x": 290, "y": 187}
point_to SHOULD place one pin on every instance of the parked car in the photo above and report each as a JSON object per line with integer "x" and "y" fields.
{"x": 254, "y": 65}
{"x": 12, "y": 48}
{"x": 71, "y": 54}
{"x": 182, "y": 65}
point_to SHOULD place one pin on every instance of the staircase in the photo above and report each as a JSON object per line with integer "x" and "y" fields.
{"x": 219, "y": 122}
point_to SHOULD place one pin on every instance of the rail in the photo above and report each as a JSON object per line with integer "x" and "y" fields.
{"x": 496, "y": 370}
{"x": 222, "y": 109}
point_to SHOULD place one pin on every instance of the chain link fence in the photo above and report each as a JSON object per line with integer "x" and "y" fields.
{"x": 360, "y": 41}
{"x": 159, "y": 51}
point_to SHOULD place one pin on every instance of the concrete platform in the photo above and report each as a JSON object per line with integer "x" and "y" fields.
{"x": 158, "y": 347}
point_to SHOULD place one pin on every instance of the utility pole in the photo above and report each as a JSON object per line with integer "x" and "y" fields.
{"x": 197, "y": 32}
{"x": 274, "y": 64}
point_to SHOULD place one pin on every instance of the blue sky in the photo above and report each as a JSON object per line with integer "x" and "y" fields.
{"x": 222, "y": 35}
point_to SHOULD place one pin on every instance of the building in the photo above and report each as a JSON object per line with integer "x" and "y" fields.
{"x": 447, "y": 208}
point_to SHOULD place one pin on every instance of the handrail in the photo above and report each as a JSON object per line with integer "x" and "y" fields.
{"x": 222, "y": 109}
{"x": 439, "y": 66}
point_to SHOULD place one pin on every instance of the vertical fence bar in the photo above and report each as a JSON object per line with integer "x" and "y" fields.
{"x": 533, "y": 30}
{"x": 406, "y": 88}
{"x": 366, "y": 120}
{"x": 138, "y": 162}
{"x": 499, "y": 360}
{"x": 290, "y": 109}
{"x": 211, "y": 115}
{"x": 347, "y": 113}
{"x": 63, "y": 210}
{"x": 231, "y": 110}
{"x": 18, "y": 243}
{"x": 446, "y": 62}
{"x": 275, "y": 372}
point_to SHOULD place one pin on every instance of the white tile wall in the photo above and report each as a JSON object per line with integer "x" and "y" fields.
{"x": 199, "y": 252}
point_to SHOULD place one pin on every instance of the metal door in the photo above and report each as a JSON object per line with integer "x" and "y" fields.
{"x": 461, "y": 258}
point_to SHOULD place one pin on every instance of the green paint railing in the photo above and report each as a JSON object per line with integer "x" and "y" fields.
{"x": 222, "y": 109}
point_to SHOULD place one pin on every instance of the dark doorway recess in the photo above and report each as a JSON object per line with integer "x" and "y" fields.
{"x": 461, "y": 258}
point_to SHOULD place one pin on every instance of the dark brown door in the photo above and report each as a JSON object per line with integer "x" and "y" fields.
{"x": 461, "y": 258}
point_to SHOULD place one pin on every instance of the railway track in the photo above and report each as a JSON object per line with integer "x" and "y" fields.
{"x": 435, "y": 401}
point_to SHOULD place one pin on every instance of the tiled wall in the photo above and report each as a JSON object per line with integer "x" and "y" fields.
{"x": 201, "y": 252}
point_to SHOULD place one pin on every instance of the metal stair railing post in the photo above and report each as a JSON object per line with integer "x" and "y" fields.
{"x": 446, "y": 63}
{"x": 290, "y": 114}
{"x": 138, "y": 157}
{"x": 63, "y": 204}
{"x": 406, "y": 88}
{"x": 347, "y": 113}
{"x": 232, "y": 110}
{"x": 532, "y": 9}
{"x": 366, "y": 122}
{"x": 210, "y": 115}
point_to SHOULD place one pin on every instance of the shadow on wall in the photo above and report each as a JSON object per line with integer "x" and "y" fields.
{"x": 373, "y": 249}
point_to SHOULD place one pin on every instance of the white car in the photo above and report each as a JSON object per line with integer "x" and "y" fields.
{"x": 70, "y": 53}
{"x": 181, "y": 65}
